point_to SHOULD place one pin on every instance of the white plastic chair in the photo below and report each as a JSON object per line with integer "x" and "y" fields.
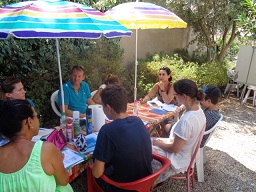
{"x": 250, "y": 88}
{"x": 231, "y": 83}
{"x": 54, "y": 100}
{"x": 201, "y": 159}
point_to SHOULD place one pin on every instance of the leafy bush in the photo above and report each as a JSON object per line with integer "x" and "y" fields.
{"x": 34, "y": 61}
{"x": 207, "y": 73}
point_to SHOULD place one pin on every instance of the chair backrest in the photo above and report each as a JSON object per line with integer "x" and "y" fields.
{"x": 141, "y": 185}
{"x": 192, "y": 161}
{"x": 210, "y": 131}
{"x": 54, "y": 100}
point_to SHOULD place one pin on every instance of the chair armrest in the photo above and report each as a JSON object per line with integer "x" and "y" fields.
{"x": 147, "y": 181}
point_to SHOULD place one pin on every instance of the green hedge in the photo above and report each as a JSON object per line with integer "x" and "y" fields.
{"x": 34, "y": 62}
{"x": 204, "y": 74}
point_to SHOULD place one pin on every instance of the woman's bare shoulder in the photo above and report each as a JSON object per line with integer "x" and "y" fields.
{"x": 49, "y": 149}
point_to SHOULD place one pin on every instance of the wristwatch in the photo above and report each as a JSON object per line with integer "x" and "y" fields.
{"x": 162, "y": 90}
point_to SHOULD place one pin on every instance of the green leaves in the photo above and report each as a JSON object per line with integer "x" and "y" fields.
{"x": 34, "y": 61}
{"x": 247, "y": 19}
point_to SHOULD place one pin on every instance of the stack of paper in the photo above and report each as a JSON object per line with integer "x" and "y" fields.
{"x": 169, "y": 107}
{"x": 91, "y": 142}
{"x": 71, "y": 158}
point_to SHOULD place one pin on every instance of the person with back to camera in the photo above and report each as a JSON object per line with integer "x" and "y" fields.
{"x": 76, "y": 93}
{"x": 184, "y": 135}
{"x": 12, "y": 88}
{"x": 118, "y": 140}
{"x": 163, "y": 89}
{"x": 111, "y": 79}
{"x": 26, "y": 165}
{"x": 210, "y": 97}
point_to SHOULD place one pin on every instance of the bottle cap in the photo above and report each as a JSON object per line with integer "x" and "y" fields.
{"x": 69, "y": 121}
{"x": 88, "y": 111}
{"x": 75, "y": 114}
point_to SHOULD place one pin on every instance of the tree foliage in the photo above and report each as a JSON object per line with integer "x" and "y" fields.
{"x": 247, "y": 19}
{"x": 213, "y": 21}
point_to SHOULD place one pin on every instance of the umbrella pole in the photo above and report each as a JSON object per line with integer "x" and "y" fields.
{"x": 136, "y": 65}
{"x": 60, "y": 75}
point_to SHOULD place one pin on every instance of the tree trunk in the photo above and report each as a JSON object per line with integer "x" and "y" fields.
{"x": 225, "y": 46}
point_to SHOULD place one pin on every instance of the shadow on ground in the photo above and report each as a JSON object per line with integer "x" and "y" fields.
{"x": 222, "y": 173}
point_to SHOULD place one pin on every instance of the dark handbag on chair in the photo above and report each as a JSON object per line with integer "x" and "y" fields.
{"x": 57, "y": 138}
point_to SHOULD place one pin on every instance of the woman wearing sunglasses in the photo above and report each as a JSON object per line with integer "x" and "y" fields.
{"x": 27, "y": 165}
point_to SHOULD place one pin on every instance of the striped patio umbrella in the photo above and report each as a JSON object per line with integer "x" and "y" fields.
{"x": 57, "y": 19}
{"x": 141, "y": 15}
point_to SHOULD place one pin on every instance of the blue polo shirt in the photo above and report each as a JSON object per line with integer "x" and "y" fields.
{"x": 75, "y": 101}
{"x": 31, "y": 102}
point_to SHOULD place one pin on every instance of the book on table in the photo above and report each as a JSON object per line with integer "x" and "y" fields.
{"x": 71, "y": 154}
{"x": 71, "y": 158}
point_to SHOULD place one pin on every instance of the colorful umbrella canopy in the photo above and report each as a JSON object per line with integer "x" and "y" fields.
{"x": 57, "y": 19}
{"x": 141, "y": 15}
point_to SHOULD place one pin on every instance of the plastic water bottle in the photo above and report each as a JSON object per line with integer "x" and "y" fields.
{"x": 135, "y": 109}
{"x": 70, "y": 130}
{"x": 76, "y": 121}
{"x": 88, "y": 121}
{"x": 63, "y": 122}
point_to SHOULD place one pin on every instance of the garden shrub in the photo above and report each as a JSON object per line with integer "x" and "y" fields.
{"x": 34, "y": 62}
{"x": 207, "y": 73}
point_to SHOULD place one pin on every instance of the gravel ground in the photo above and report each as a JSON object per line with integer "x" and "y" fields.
{"x": 231, "y": 154}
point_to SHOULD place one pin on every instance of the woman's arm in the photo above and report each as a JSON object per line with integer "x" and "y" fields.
{"x": 167, "y": 98}
{"x": 96, "y": 97}
{"x": 151, "y": 94}
{"x": 174, "y": 147}
{"x": 52, "y": 163}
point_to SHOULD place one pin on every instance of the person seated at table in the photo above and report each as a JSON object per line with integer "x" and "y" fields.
{"x": 12, "y": 88}
{"x": 111, "y": 79}
{"x": 210, "y": 97}
{"x": 123, "y": 149}
{"x": 162, "y": 89}
{"x": 184, "y": 135}
{"x": 26, "y": 165}
{"x": 76, "y": 93}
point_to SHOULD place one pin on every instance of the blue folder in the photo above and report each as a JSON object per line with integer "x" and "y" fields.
{"x": 158, "y": 111}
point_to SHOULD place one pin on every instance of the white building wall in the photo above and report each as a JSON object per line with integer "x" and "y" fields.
{"x": 154, "y": 41}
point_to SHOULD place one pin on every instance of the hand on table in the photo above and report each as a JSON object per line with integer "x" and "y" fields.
{"x": 143, "y": 101}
